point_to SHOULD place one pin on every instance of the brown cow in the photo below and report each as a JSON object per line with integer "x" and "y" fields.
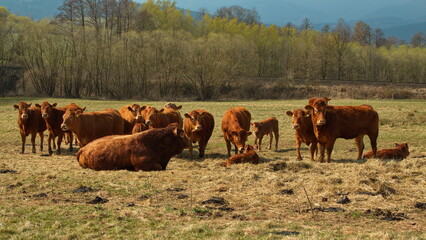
{"x": 399, "y": 152}
{"x": 139, "y": 127}
{"x": 235, "y": 128}
{"x": 131, "y": 115}
{"x": 266, "y": 127}
{"x": 155, "y": 118}
{"x": 172, "y": 111}
{"x": 53, "y": 117}
{"x": 249, "y": 156}
{"x": 92, "y": 125}
{"x": 30, "y": 121}
{"x": 348, "y": 122}
{"x": 150, "y": 150}
{"x": 198, "y": 127}
{"x": 302, "y": 123}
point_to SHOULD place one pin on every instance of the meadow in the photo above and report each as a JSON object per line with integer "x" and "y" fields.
{"x": 51, "y": 197}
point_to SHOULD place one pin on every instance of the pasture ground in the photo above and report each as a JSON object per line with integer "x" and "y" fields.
{"x": 47, "y": 197}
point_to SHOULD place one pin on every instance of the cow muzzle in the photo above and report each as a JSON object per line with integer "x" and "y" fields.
{"x": 138, "y": 117}
{"x": 24, "y": 116}
{"x": 64, "y": 127}
{"x": 198, "y": 128}
{"x": 321, "y": 122}
{"x": 45, "y": 115}
{"x": 295, "y": 126}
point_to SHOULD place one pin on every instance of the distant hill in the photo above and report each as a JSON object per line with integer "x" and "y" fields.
{"x": 405, "y": 32}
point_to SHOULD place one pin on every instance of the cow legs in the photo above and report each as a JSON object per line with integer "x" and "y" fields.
{"x": 50, "y": 139}
{"x": 33, "y": 137}
{"x": 270, "y": 141}
{"x": 228, "y": 146}
{"x": 299, "y": 157}
{"x": 23, "y": 138}
{"x": 313, "y": 149}
{"x": 255, "y": 141}
{"x": 373, "y": 141}
{"x": 329, "y": 145}
{"x": 190, "y": 148}
{"x": 70, "y": 136}
{"x": 41, "y": 140}
{"x": 260, "y": 143}
{"x": 360, "y": 145}
{"x": 58, "y": 150}
{"x": 322, "y": 152}
{"x": 201, "y": 149}
{"x": 276, "y": 140}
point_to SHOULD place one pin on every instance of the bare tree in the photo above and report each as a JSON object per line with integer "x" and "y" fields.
{"x": 418, "y": 40}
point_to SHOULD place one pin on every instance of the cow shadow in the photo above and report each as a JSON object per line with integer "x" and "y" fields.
{"x": 347, "y": 160}
{"x": 64, "y": 152}
{"x": 185, "y": 156}
{"x": 287, "y": 150}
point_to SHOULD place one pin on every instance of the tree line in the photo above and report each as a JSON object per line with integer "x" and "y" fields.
{"x": 121, "y": 49}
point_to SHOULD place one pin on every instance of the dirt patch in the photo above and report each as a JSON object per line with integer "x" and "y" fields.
{"x": 7, "y": 171}
{"x": 386, "y": 215}
{"x": 84, "y": 189}
{"x": 286, "y": 192}
{"x": 343, "y": 200}
{"x": 420, "y": 205}
{"x": 215, "y": 201}
{"x": 40, "y": 195}
{"x": 277, "y": 166}
{"x": 98, "y": 200}
{"x": 175, "y": 189}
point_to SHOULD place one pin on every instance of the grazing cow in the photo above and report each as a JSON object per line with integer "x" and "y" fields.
{"x": 131, "y": 115}
{"x": 139, "y": 127}
{"x": 348, "y": 122}
{"x": 53, "y": 117}
{"x": 155, "y": 118}
{"x": 150, "y": 150}
{"x": 399, "y": 152}
{"x": 266, "y": 127}
{"x": 249, "y": 156}
{"x": 198, "y": 127}
{"x": 30, "y": 121}
{"x": 172, "y": 111}
{"x": 92, "y": 125}
{"x": 235, "y": 128}
{"x": 302, "y": 123}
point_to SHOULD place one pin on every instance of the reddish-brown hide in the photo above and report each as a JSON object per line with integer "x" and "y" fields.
{"x": 30, "y": 121}
{"x": 198, "y": 127}
{"x": 399, "y": 152}
{"x": 235, "y": 128}
{"x": 304, "y": 131}
{"x": 249, "y": 156}
{"x": 150, "y": 150}
{"x": 266, "y": 127}
{"x": 131, "y": 114}
{"x": 348, "y": 122}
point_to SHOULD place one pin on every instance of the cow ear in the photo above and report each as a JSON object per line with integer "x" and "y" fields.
{"x": 187, "y": 115}
{"x": 84, "y": 109}
{"x": 37, "y": 105}
{"x": 329, "y": 108}
{"x": 130, "y": 108}
{"x": 16, "y": 107}
{"x": 248, "y": 133}
{"x": 55, "y": 104}
{"x": 143, "y": 108}
{"x": 179, "y": 107}
{"x": 161, "y": 110}
{"x": 308, "y": 107}
{"x": 326, "y": 99}
{"x": 29, "y": 105}
{"x": 289, "y": 113}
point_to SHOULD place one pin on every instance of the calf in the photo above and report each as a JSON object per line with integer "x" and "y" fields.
{"x": 92, "y": 125}
{"x": 235, "y": 128}
{"x": 348, "y": 122}
{"x": 302, "y": 123}
{"x": 249, "y": 156}
{"x": 266, "y": 127}
{"x": 198, "y": 127}
{"x": 53, "y": 117}
{"x": 131, "y": 115}
{"x": 30, "y": 121}
{"x": 399, "y": 152}
{"x": 150, "y": 150}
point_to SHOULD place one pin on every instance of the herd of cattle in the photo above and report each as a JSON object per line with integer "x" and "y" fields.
{"x": 143, "y": 138}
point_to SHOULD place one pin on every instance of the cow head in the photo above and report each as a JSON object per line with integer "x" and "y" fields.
{"x": 195, "y": 119}
{"x": 151, "y": 115}
{"x": 239, "y": 137}
{"x": 136, "y": 111}
{"x": 179, "y": 135}
{"x": 257, "y": 128}
{"x": 46, "y": 109}
{"x": 404, "y": 148}
{"x": 299, "y": 118}
{"x": 23, "y": 107}
{"x": 173, "y": 106}
{"x": 70, "y": 118}
{"x": 249, "y": 148}
{"x": 317, "y": 108}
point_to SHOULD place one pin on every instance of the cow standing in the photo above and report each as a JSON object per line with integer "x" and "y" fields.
{"x": 150, "y": 150}
{"x": 348, "y": 122}
{"x": 304, "y": 131}
{"x": 198, "y": 127}
{"x": 235, "y": 128}
{"x": 30, "y": 121}
{"x": 172, "y": 111}
{"x": 249, "y": 156}
{"x": 266, "y": 127}
{"x": 53, "y": 117}
{"x": 131, "y": 115}
{"x": 92, "y": 125}
{"x": 155, "y": 118}
{"x": 398, "y": 153}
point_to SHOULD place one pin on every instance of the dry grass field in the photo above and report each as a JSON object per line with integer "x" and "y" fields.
{"x": 49, "y": 197}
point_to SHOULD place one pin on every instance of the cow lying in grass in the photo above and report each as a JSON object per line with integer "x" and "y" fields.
{"x": 249, "y": 156}
{"x": 399, "y": 152}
